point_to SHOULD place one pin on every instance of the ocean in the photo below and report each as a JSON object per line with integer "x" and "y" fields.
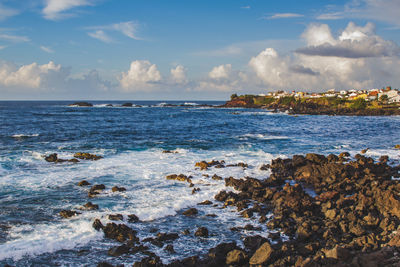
{"x": 131, "y": 141}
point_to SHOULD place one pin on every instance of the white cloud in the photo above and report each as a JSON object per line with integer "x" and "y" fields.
{"x": 128, "y": 28}
{"x": 26, "y": 76}
{"x": 142, "y": 75}
{"x": 356, "y": 58}
{"x": 220, "y": 72}
{"x": 55, "y": 9}
{"x": 284, "y": 16}
{"x": 13, "y": 38}
{"x": 245, "y": 7}
{"x": 2, "y": 47}
{"x": 6, "y": 12}
{"x": 47, "y": 49}
{"x": 101, "y": 35}
{"x": 178, "y": 74}
{"x": 353, "y": 42}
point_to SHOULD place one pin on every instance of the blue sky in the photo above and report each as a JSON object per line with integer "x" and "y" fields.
{"x": 120, "y": 49}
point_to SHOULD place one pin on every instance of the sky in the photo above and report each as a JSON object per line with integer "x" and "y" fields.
{"x": 194, "y": 50}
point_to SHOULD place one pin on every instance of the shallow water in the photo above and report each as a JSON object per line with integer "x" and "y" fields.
{"x": 33, "y": 191}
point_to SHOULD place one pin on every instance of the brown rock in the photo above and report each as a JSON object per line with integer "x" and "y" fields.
{"x": 68, "y": 213}
{"x": 201, "y": 232}
{"x": 83, "y": 183}
{"x": 190, "y": 212}
{"x": 236, "y": 257}
{"x": 118, "y": 189}
{"x": 115, "y": 217}
{"x": 262, "y": 255}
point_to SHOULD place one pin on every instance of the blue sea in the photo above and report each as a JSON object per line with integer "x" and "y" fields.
{"x": 132, "y": 141}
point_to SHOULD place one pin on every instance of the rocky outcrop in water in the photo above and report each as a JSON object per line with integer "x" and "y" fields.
{"x": 81, "y": 104}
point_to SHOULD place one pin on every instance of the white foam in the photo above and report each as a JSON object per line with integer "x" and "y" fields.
{"x": 47, "y": 238}
{"x": 190, "y": 104}
{"x": 24, "y": 135}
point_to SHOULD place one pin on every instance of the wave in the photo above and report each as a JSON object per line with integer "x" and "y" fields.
{"x": 24, "y": 135}
{"x": 262, "y": 137}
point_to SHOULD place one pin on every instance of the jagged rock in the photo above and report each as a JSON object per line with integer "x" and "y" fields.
{"x": 216, "y": 177}
{"x": 201, "y": 232}
{"x": 118, "y": 250}
{"x": 133, "y": 218}
{"x": 236, "y": 257}
{"x": 169, "y": 248}
{"x": 68, "y": 213}
{"x": 51, "y": 158}
{"x": 180, "y": 177}
{"x": 191, "y": 212}
{"x": 91, "y": 206}
{"x": 87, "y": 156}
{"x": 118, "y": 189}
{"x": 195, "y": 190}
{"x": 97, "y": 225}
{"x": 83, "y": 183}
{"x": 119, "y": 232}
{"x": 205, "y": 202}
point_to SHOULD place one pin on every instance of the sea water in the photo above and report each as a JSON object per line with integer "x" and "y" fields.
{"x": 132, "y": 141}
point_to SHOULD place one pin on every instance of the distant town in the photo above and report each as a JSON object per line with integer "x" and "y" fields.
{"x": 387, "y": 94}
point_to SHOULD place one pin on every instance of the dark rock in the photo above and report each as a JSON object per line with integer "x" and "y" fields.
{"x": 216, "y": 177}
{"x": 51, "y": 158}
{"x": 82, "y": 104}
{"x": 115, "y": 217}
{"x": 91, "y": 206}
{"x": 190, "y": 212}
{"x": 83, "y": 183}
{"x": 169, "y": 248}
{"x": 68, "y": 213}
{"x": 128, "y": 104}
{"x": 201, "y": 232}
{"x": 119, "y": 232}
{"x": 133, "y": 218}
{"x": 195, "y": 190}
{"x": 167, "y": 236}
{"x": 118, "y": 250}
{"x": 97, "y": 225}
{"x": 104, "y": 264}
{"x": 97, "y": 188}
{"x": 180, "y": 177}
{"x": 118, "y": 189}
{"x": 205, "y": 202}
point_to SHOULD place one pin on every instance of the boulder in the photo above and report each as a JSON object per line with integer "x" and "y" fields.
{"x": 128, "y": 104}
{"x": 87, "y": 156}
{"x": 81, "y": 104}
{"x": 262, "y": 255}
{"x": 133, "y": 218}
{"x": 236, "y": 257}
{"x": 115, "y": 217}
{"x": 191, "y": 212}
{"x": 97, "y": 225}
{"x": 201, "y": 232}
{"x": 90, "y": 206}
{"x": 205, "y": 202}
{"x": 118, "y": 189}
{"x": 119, "y": 232}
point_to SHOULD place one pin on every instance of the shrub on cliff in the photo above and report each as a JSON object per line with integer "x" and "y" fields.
{"x": 359, "y": 103}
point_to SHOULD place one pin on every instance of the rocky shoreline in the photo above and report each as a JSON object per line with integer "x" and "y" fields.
{"x": 319, "y": 211}
{"x": 312, "y": 107}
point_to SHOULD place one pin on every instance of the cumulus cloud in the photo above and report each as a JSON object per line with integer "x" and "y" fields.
{"x": 178, "y": 74}
{"x": 142, "y": 75}
{"x": 356, "y": 58}
{"x": 27, "y": 76}
{"x": 128, "y": 29}
{"x": 101, "y": 35}
{"x": 220, "y": 72}
{"x": 353, "y": 42}
{"x": 284, "y": 16}
{"x": 55, "y": 9}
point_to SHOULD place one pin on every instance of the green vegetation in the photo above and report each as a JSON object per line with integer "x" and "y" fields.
{"x": 359, "y": 103}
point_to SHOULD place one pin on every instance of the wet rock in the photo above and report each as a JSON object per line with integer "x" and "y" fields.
{"x": 247, "y": 213}
{"x": 96, "y": 189}
{"x": 203, "y": 165}
{"x": 118, "y": 189}
{"x": 128, "y": 104}
{"x": 68, "y": 213}
{"x": 170, "y": 152}
{"x": 118, "y": 250}
{"x": 167, "y": 236}
{"x": 83, "y": 183}
{"x": 191, "y": 212}
{"x": 87, "y": 156}
{"x": 97, "y": 225}
{"x": 169, "y": 248}
{"x": 180, "y": 177}
{"x": 119, "y": 232}
{"x": 364, "y": 150}
{"x": 205, "y": 202}
{"x": 149, "y": 262}
{"x": 115, "y": 217}
{"x": 51, "y": 158}
{"x": 186, "y": 232}
{"x": 81, "y": 104}
{"x": 397, "y": 146}
{"x": 236, "y": 257}
{"x": 104, "y": 264}
{"x": 217, "y": 256}
{"x": 195, "y": 190}
{"x": 216, "y": 177}
{"x": 262, "y": 255}
{"x": 201, "y": 232}
{"x": 212, "y": 215}
{"x": 133, "y": 218}
{"x": 90, "y": 206}
{"x": 252, "y": 243}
